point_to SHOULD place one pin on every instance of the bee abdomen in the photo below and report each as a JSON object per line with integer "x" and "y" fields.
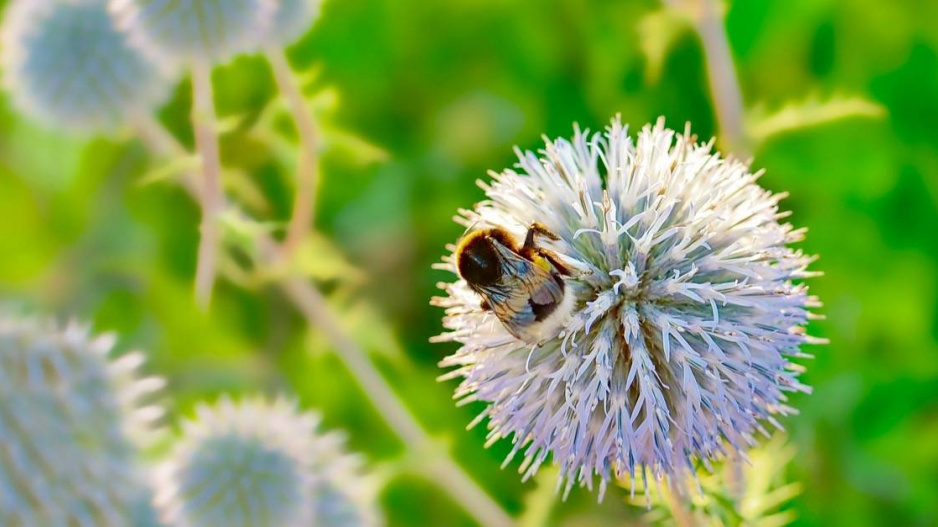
{"x": 542, "y": 311}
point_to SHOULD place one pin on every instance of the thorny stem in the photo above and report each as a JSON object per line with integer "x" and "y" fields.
{"x": 679, "y": 508}
{"x": 211, "y": 196}
{"x": 721, "y": 71}
{"x": 436, "y": 464}
{"x": 314, "y": 307}
{"x": 307, "y": 171}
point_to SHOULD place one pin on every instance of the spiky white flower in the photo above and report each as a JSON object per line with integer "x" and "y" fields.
{"x": 292, "y": 19}
{"x": 182, "y": 31}
{"x": 688, "y": 309}
{"x": 69, "y": 419}
{"x": 65, "y": 65}
{"x": 258, "y": 463}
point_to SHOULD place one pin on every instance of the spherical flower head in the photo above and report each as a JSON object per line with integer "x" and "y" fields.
{"x": 292, "y": 19}
{"x": 253, "y": 463}
{"x": 65, "y": 65}
{"x": 686, "y": 308}
{"x": 70, "y": 416}
{"x": 184, "y": 31}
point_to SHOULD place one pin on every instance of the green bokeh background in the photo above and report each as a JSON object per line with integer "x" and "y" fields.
{"x": 446, "y": 89}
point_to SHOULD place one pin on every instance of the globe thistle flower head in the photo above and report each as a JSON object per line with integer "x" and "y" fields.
{"x": 65, "y": 65}
{"x": 291, "y": 20}
{"x": 184, "y": 31}
{"x": 249, "y": 463}
{"x": 687, "y": 308}
{"x": 70, "y": 417}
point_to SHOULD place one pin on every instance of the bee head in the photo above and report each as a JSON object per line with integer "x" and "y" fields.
{"x": 478, "y": 260}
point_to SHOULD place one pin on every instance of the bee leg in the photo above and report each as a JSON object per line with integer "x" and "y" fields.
{"x": 538, "y": 228}
{"x": 554, "y": 260}
{"x": 535, "y": 229}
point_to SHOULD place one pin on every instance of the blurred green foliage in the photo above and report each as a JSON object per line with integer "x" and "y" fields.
{"x": 419, "y": 99}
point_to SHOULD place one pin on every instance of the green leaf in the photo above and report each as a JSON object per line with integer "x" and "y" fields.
{"x": 320, "y": 259}
{"x": 354, "y": 148}
{"x": 539, "y": 502}
{"x": 762, "y": 124}
{"x": 172, "y": 170}
{"x": 242, "y": 231}
{"x": 764, "y": 492}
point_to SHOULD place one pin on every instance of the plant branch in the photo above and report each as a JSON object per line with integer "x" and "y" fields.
{"x": 680, "y": 509}
{"x": 707, "y": 17}
{"x": 307, "y": 171}
{"x": 436, "y": 464}
{"x": 211, "y": 197}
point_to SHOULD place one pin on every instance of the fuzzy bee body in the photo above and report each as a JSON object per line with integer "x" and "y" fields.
{"x": 523, "y": 285}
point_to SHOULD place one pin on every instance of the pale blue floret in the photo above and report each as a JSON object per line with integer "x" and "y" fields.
{"x": 256, "y": 463}
{"x": 291, "y": 20}
{"x": 194, "y": 30}
{"x": 234, "y": 480}
{"x": 67, "y": 66}
{"x": 68, "y": 415}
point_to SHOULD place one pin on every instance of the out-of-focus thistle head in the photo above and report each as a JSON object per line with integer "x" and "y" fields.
{"x": 687, "y": 308}
{"x": 65, "y": 65}
{"x": 70, "y": 416}
{"x": 292, "y": 19}
{"x": 182, "y": 31}
{"x": 261, "y": 463}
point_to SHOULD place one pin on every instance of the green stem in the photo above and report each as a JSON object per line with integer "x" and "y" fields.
{"x": 211, "y": 196}
{"x": 707, "y": 17}
{"x": 307, "y": 171}
{"x": 436, "y": 464}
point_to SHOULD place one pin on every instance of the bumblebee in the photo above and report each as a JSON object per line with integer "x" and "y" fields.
{"x": 523, "y": 285}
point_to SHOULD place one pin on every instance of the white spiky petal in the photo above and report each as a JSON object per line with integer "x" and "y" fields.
{"x": 688, "y": 308}
{"x": 262, "y": 463}
{"x": 66, "y": 66}
{"x": 69, "y": 419}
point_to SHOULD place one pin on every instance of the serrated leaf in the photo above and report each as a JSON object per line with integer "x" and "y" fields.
{"x": 780, "y": 519}
{"x": 763, "y": 125}
{"x": 354, "y": 148}
{"x": 233, "y": 123}
{"x": 172, "y": 170}
{"x": 318, "y": 258}
{"x": 244, "y": 232}
{"x": 245, "y": 191}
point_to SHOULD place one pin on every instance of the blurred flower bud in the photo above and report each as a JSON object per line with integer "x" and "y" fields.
{"x": 65, "y": 65}
{"x": 292, "y": 19}
{"x": 194, "y": 30}
{"x": 259, "y": 463}
{"x": 68, "y": 417}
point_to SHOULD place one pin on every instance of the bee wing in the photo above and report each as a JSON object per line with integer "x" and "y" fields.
{"x": 540, "y": 293}
{"x": 548, "y": 291}
{"x": 541, "y": 288}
